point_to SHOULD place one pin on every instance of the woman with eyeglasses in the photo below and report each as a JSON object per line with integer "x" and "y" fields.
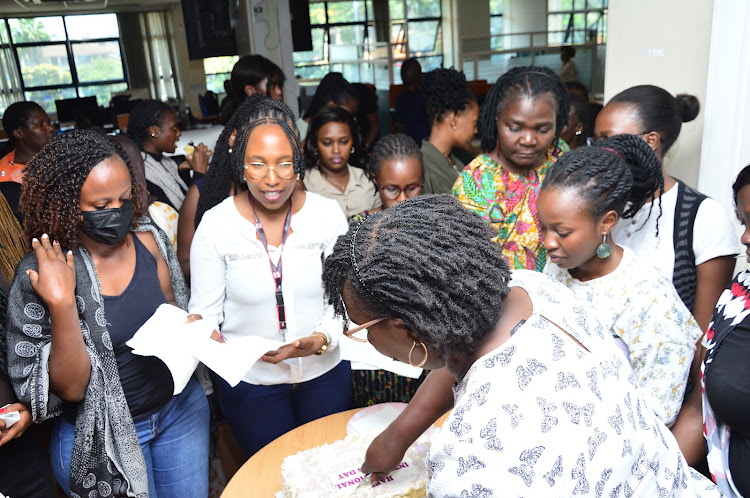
{"x": 335, "y": 162}
{"x": 396, "y": 169}
{"x": 256, "y": 263}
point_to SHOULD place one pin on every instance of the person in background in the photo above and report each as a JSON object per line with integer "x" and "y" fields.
{"x": 334, "y": 162}
{"x": 573, "y": 129}
{"x": 28, "y": 128}
{"x": 242, "y": 251}
{"x": 396, "y": 169}
{"x": 542, "y": 399}
{"x": 568, "y": 71}
{"x": 725, "y": 372}
{"x": 367, "y": 114}
{"x": 695, "y": 248}
{"x": 520, "y": 125}
{"x": 216, "y": 186}
{"x": 253, "y": 74}
{"x": 452, "y": 111}
{"x": 584, "y": 195}
{"x": 411, "y": 105}
{"x": 333, "y": 91}
{"x": 97, "y": 272}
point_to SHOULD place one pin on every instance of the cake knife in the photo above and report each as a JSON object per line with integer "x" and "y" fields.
{"x": 365, "y": 478}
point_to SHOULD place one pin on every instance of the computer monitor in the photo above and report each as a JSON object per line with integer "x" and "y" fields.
{"x": 84, "y": 111}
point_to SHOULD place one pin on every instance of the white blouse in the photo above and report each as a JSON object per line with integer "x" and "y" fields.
{"x": 232, "y": 285}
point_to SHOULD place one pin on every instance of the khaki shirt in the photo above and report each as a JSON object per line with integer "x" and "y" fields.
{"x": 360, "y": 194}
{"x": 439, "y": 173}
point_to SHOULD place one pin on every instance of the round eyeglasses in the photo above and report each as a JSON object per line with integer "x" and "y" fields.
{"x": 393, "y": 192}
{"x": 257, "y": 170}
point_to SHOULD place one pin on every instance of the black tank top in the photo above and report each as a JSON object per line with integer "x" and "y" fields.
{"x": 145, "y": 380}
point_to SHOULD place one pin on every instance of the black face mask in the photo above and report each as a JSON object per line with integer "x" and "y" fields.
{"x": 108, "y": 226}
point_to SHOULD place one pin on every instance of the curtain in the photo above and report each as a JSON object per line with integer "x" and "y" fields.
{"x": 10, "y": 79}
{"x": 157, "y": 44}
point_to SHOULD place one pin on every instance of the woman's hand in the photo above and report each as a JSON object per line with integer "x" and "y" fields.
{"x": 55, "y": 282}
{"x": 383, "y": 455}
{"x": 298, "y": 349}
{"x": 19, "y": 427}
{"x": 199, "y": 160}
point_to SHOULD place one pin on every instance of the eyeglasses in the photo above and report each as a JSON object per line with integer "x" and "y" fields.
{"x": 393, "y": 192}
{"x": 257, "y": 171}
{"x": 351, "y": 328}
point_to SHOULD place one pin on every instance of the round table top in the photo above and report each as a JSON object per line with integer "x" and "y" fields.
{"x": 260, "y": 476}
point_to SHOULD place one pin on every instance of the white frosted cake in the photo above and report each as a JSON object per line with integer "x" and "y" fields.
{"x": 333, "y": 470}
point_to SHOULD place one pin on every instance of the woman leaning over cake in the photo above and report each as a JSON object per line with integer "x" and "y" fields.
{"x": 543, "y": 401}
{"x": 242, "y": 252}
{"x": 96, "y": 274}
{"x": 520, "y": 124}
{"x": 725, "y": 371}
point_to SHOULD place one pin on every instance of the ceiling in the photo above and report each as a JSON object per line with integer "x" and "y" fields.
{"x": 26, "y": 8}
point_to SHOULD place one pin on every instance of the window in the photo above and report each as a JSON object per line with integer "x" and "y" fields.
{"x": 344, "y": 40}
{"x": 496, "y": 24}
{"x": 64, "y": 57}
{"x": 573, "y": 22}
{"x": 218, "y": 69}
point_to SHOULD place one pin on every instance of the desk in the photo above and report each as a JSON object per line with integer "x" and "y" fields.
{"x": 260, "y": 476}
{"x": 206, "y": 134}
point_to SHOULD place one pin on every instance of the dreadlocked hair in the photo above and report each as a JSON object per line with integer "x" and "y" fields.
{"x": 219, "y": 178}
{"x": 51, "y": 194}
{"x": 527, "y": 81}
{"x": 428, "y": 261}
{"x": 333, "y": 115}
{"x": 272, "y": 112}
{"x": 446, "y": 91}
{"x": 396, "y": 146}
{"x": 618, "y": 174}
{"x": 332, "y": 88}
{"x": 13, "y": 244}
{"x": 16, "y": 116}
{"x": 145, "y": 114}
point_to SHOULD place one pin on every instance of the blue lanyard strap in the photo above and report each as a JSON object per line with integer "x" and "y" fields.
{"x": 276, "y": 270}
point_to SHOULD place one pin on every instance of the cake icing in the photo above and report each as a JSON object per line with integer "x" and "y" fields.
{"x": 333, "y": 470}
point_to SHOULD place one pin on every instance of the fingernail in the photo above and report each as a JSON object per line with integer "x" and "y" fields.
{"x": 28, "y": 272}
{"x": 54, "y": 242}
{"x": 34, "y": 240}
{"x": 70, "y": 252}
{"x": 2, "y": 410}
{"x": 45, "y": 236}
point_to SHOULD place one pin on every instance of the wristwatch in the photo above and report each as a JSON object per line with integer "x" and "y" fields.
{"x": 324, "y": 347}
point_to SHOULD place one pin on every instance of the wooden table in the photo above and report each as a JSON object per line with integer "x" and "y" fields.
{"x": 260, "y": 476}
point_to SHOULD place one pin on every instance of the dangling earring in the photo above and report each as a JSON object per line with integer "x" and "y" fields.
{"x": 604, "y": 250}
{"x": 352, "y": 149}
{"x": 413, "y": 345}
{"x": 230, "y": 150}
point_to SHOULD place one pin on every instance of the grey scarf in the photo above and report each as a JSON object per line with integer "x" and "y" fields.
{"x": 107, "y": 458}
{"x": 165, "y": 174}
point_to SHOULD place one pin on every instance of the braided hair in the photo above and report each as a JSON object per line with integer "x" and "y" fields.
{"x": 51, "y": 194}
{"x": 428, "y": 261}
{"x": 16, "y": 116}
{"x": 659, "y": 111}
{"x": 219, "y": 178}
{"x": 272, "y": 112}
{"x": 145, "y": 114}
{"x": 332, "y": 114}
{"x": 332, "y": 88}
{"x": 396, "y": 146}
{"x": 446, "y": 91}
{"x": 618, "y": 174}
{"x": 527, "y": 81}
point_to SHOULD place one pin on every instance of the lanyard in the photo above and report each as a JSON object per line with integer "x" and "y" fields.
{"x": 275, "y": 269}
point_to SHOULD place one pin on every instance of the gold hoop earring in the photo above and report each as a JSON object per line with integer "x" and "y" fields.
{"x": 413, "y": 345}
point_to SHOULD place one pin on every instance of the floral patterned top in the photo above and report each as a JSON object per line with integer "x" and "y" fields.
{"x": 542, "y": 416}
{"x": 507, "y": 201}
{"x": 730, "y": 316}
{"x": 638, "y": 304}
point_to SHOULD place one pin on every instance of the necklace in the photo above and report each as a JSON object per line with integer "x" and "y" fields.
{"x": 333, "y": 182}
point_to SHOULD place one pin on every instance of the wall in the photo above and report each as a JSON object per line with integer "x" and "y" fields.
{"x": 191, "y": 73}
{"x": 664, "y": 43}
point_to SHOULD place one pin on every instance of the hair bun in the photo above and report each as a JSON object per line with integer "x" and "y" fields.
{"x": 689, "y": 106}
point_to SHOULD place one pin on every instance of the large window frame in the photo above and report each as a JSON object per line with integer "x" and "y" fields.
{"x": 586, "y": 21}
{"x": 70, "y": 44}
{"x": 370, "y": 53}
